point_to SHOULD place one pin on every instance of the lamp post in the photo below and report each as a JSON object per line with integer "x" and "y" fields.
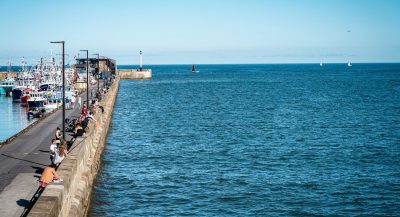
{"x": 87, "y": 78}
{"x": 63, "y": 85}
{"x": 98, "y": 72}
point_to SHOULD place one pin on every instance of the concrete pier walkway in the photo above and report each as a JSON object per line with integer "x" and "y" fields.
{"x": 23, "y": 160}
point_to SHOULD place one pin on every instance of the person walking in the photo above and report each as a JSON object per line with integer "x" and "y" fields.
{"x": 73, "y": 99}
{"x": 84, "y": 109}
{"x": 67, "y": 103}
{"x": 80, "y": 101}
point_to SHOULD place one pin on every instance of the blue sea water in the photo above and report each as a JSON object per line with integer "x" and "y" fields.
{"x": 13, "y": 118}
{"x": 254, "y": 140}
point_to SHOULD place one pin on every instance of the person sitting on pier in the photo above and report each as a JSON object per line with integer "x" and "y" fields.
{"x": 61, "y": 153}
{"x": 78, "y": 131}
{"x": 86, "y": 121}
{"x": 90, "y": 116}
{"x": 101, "y": 109}
{"x": 49, "y": 174}
{"x": 93, "y": 106}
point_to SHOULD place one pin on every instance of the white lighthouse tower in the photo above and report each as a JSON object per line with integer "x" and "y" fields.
{"x": 141, "y": 61}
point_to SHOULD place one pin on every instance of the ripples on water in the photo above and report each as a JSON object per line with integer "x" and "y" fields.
{"x": 245, "y": 140}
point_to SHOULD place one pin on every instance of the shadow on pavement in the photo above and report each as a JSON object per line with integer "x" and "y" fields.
{"x": 23, "y": 159}
{"x": 24, "y": 203}
{"x": 38, "y": 170}
{"x": 28, "y": 204}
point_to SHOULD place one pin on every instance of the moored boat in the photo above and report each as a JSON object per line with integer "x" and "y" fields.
{"x": 6, "y": 86}
{"x": 36, "y": 104}
{"x": 25, "y": 96}
{"x": 17, "y": 93}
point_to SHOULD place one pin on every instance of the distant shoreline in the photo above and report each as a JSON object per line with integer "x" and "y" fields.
{"x": 4, "y": 68}
{"x": 189, "y": 64}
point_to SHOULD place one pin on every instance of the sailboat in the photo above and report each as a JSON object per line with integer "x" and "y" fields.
{"x": 194, "y": 68}
{"x": 349, "y": 64}
{"x": 321, "y": 64}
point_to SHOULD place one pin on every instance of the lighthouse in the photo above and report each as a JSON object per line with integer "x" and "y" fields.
{"x": 141, "y": 61}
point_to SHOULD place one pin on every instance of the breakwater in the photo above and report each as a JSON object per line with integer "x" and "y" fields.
{"x": 135, "y": 74}
{"x": 71, "y": 197}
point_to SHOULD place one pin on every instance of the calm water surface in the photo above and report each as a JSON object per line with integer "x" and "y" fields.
{"x": 13, "y": 118}
{"x": 254, "y": 140}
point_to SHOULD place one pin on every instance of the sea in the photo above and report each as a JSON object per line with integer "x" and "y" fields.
{"x": 13, "y": 118}
{"x": 254, "y": 140}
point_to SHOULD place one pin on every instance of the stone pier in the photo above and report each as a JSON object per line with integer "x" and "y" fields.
{"x": 72, "y": 196}
{"x": 135, "y": 74}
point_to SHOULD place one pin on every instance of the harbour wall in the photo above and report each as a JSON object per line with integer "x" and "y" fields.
{"x": 135, "y": 74}
{"x": 71, "y": 197}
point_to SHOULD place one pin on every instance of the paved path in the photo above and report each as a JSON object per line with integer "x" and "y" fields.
{"x": 23, "y": 160}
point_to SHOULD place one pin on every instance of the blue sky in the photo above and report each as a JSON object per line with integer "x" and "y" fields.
{"x": 204, "y": 31}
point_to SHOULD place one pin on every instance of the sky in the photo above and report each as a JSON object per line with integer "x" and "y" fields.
{"x": 203, "y": 31}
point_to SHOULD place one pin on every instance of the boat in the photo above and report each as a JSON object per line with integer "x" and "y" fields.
{"x": 36, "y": 96}
{"x": 54, "y": 100}
{"x": 349, "y": 64}
{"x": 17, "y": 93}
{"x": 6, "y": 86}
{"x": 194, "y": 68}
{"x": 47, "y": 86}
{"x": 321, "y": 64}
{"x": 36, "y": 104}
{"x": 26, "y": 94}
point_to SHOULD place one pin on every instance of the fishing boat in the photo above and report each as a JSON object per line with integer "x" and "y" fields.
{"x": 36, "y": 104}
{"x": 36, "y": 97}
{"x": 194, "y": 69}
{"x": 26, "y": 94}
{"x": 17, "y": 93}
{"x": 6, "y": 86}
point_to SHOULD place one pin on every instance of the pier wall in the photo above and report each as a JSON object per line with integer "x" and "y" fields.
{"x": 72, "y": 196}
{"x": 135, "y": 74}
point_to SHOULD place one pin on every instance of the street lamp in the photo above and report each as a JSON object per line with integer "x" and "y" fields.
{"x": 98, "y": 72}
{"x": 63, "y": 85}
{"x": 87, "y": 79}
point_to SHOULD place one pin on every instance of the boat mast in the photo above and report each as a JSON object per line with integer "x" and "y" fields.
{"x": 9, "y": 66}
